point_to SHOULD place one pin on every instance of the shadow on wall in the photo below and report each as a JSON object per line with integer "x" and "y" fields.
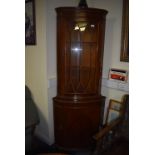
{"x": 109, "y": 39}
{"x": 42, "y": 129}
{"x": 108, "y": 46}
{"x": 31, "y": 119}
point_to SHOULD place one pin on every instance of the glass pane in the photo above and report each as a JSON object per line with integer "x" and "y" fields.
{"x": 81, "y": 57}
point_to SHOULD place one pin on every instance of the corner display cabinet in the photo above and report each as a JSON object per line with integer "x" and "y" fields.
{"x": 78, "y": 104}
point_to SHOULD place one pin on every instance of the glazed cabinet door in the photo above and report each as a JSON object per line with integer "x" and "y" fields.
{"x": 81, "y": 56}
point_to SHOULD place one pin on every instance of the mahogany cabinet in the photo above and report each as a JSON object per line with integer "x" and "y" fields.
{"x": 77, "y": 106}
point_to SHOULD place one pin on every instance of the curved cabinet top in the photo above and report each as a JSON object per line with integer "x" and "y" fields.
{"x": 77, "y": 11}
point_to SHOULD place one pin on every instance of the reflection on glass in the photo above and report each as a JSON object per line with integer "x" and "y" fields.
{"x": 76, "y": 27}
{"x": 80, "y": 26}
{"x": 76, "y": 49}
{"x": 92, "y": 25}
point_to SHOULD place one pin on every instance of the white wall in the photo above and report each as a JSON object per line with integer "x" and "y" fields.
{"x": 36, "y": 69}
{"x": 112, "y": 44}
{"x": 112, "y": 35}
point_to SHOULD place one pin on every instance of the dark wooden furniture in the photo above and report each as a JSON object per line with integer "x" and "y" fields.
{"x": 124, "y": 56}
{"x": 77, "y": 106}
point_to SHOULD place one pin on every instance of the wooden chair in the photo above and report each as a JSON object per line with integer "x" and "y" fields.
{"x": 116, "y": 120}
